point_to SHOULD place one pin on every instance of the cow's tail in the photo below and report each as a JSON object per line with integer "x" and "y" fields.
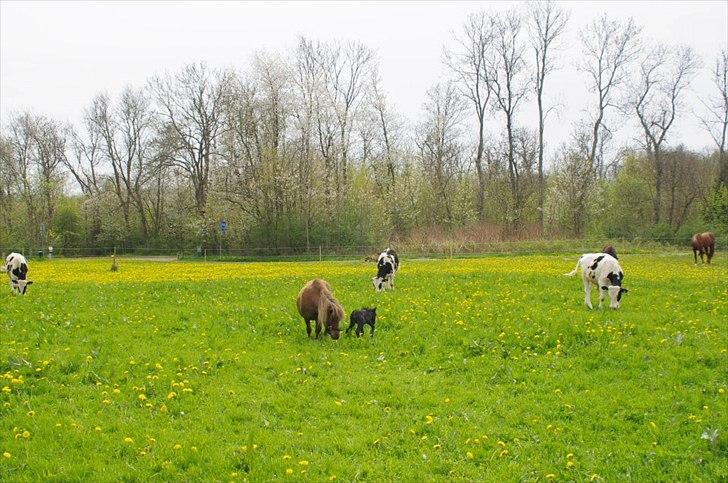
{"x": 573, "y": 272}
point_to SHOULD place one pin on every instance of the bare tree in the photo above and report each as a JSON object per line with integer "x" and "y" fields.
{"x": 663, "y": 77}
{"x": 715, "y": 120}
{"x": 438, "y": 142}
{"x": 609, "y": 47}
{"x": 507, "y": 67}
{"x": 126, "y": 132}
{"x": 346, "y": 70}
{"x": 386, "y": 121}
{"x": 470, "y": 64}
{"x": 307, "y": 78}
{"x": 191, "y": 103}
{"x": 546, "y": 23}
{"x": 86, "y": 160}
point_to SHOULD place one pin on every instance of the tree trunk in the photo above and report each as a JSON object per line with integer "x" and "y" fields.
{"x": 541, "y": 187}
{"x": 479, "y": 169}
{"x": 658, "y": 185}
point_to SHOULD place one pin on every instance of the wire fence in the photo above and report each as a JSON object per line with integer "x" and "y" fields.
{"x": 425, "y": 249}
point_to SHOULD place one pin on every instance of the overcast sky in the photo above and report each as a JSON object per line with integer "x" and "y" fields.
{"x": 55, "y": 56}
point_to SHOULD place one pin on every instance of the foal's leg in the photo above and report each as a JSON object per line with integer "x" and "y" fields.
{"x": 695, "y": 254}
{"x": 351, "y": 325}
{"x": 371, "y": 334}
{"x": 711, "y": 250}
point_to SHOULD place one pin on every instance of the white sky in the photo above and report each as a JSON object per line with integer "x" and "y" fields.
{"x": 55, "y": 56}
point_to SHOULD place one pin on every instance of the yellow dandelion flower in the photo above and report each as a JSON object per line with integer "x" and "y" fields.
{"x": 142, "y": 397}
{"x": 289, "y": 471}
{"x": 570, "y": 464}
{"x": 97, "y": 429}
{"x": 550, "y": 476}
{"x": 7, "y": 455}
{"x": 429, "y": 419}
{"x": 177, "y": 446}
{"x": 470, "y": 455}
{"x": 163, "y": 408}
{"x": 128, "y": 440}
{"x": 303, "y": 463}
{"x": 286, "y": 457}
{"x": 171, "y": 395}
{"x": 31, "y": 413}
{"x": 26, "y": 434}
{"x": 721, "y": 391}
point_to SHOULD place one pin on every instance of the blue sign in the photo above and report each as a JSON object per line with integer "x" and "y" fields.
{"x": 223, "y": 226}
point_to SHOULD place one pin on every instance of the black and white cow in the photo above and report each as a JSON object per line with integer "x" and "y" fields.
{"x": 16, "y": 267}
{"x": 387, "y": 266}
{"x": 603, "y": 270}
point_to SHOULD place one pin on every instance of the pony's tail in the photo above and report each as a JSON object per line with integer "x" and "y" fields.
{"x": 573, "y": 272}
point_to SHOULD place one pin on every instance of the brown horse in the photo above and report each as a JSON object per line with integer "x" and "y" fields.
{"x": 609, "y": 249}
{"x": 315, "y": 302}
{"x": 703, "y": 243}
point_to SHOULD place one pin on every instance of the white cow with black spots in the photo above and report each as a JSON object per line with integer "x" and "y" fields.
{"x": 16, "y": 267}
{"x": 387, "y": 266}
{"x": 603, "y": 270}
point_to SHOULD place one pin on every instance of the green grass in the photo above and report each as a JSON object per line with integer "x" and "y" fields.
{"x": 480, "y": 370}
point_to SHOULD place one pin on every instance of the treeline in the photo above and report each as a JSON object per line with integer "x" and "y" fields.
{"x": 304, "y": 148}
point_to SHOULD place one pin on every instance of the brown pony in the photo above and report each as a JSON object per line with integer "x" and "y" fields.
{"x": 703, "y": 243}
{"x": 609, "y": 249}
{"x": 315, "y": 302}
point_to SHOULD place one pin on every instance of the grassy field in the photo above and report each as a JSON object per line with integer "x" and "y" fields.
{"x": 480, "y": 370}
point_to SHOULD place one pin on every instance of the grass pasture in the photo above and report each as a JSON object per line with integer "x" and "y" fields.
{"x": 480, "y": 370}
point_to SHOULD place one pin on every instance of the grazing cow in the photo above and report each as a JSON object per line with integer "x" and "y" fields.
{"x": 387, "y": 266}
{"x": 315, "y": 302}
{"x": 361, "y": 317}
{"x": 16, "y": 267}
{"x": 609, "y": 249}
{"x": 603, "y": 270}
{"x": 705, "y": 244}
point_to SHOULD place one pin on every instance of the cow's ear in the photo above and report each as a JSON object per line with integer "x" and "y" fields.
{"x": 624, "y": 290}
{"x": 29, "y": 282}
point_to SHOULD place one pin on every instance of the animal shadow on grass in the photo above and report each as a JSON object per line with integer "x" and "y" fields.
{"x": 361, "y": 317}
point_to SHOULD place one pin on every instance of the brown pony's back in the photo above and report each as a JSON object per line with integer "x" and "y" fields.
{"x": 315, "y": 302}
{"x": 609, "y": 249}
{"x": 703, "y": 243}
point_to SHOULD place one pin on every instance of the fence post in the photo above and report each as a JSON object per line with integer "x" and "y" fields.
{"x": 205, "y": 254}
{"x": 319, "y": 253}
